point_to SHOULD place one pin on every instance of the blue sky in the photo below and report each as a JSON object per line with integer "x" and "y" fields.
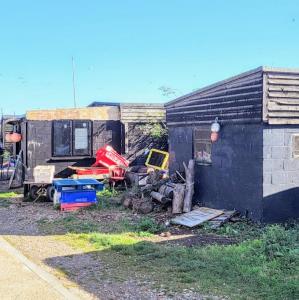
{"x": 126, "y": 50}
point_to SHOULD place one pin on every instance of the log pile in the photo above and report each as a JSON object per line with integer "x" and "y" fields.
{"x": 166, "y": 192}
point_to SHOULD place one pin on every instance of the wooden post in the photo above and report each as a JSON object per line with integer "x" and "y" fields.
{"x": 189, "y": 171}
{"x": 178, "y": 198}
{"x": 126, "y": 137}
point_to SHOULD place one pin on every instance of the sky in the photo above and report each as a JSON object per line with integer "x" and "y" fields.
{"x": 135, "y": 50}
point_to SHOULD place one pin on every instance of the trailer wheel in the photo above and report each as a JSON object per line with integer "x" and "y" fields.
{"x": 50, "y": 192}
{"x": 33, "y": 192}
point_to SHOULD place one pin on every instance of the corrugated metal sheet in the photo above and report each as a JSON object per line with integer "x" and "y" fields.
{"x": 281, "y": 96}
{"x": 237, "y": 99}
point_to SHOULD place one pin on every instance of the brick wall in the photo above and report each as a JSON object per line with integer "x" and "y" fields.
{"x": 280, "y": 174}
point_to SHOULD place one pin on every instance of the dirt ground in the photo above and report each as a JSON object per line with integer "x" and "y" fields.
{"x": 84, "y": 272}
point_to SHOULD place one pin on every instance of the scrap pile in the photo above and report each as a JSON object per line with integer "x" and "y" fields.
{"x": 108, "y": 165}
{"x": 152, "y": 187}
{"x": 153, "y": 184}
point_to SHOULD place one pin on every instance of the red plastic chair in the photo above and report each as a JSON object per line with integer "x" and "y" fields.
{"x": 116, "y": 174}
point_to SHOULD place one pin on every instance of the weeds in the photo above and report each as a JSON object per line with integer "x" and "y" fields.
{"x": 279, "y": 242}
{"x": 148, "y": 225}
{"x": 7, "y": 195}
{"x": 261, "y": 268}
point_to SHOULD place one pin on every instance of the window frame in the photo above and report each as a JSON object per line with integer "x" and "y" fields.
{"x": 72, "y": 154}
{"x": 206, "y": 141}
{"x": 295, "y": 136}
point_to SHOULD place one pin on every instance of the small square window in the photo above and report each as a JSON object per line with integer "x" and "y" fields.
{"x": 202, "y": 146}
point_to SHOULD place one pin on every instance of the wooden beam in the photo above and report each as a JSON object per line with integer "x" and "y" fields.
{"x": 285, "y": 76}
{"x": 283, "y": 121}
{"x": 282, "y": 88}
{"x": 285, "y": 114}
{"x": 276, "y": 107}
{"x": 219, "y": 109}
{"x": 283, "y": 82}
{"x": 283, "y": 95}
{"x": 285, "y": 101}
{"x": 208, "y": 122}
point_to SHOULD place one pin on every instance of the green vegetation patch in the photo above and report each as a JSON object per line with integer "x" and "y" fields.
{"x": 7, "y": 195}
{"x": 264, "y": 268}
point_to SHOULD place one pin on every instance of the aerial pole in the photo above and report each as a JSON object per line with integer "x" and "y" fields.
{"x": 74, "y": 88}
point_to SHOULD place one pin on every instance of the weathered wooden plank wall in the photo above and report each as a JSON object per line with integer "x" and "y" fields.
{"x": 281, "y": 96}
{"x": 134, "y": 117}
{"x": 238, "y": 99}
{"x": 142, "y": 113}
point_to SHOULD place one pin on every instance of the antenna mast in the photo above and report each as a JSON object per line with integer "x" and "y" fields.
{"x": 74, "y": 89}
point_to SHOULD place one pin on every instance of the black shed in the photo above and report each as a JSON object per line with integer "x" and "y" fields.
{"x": 254, "y": 165}
{"x": 65, "y": 137}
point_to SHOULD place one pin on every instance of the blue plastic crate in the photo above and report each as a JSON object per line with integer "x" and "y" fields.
{"x": 78, "y": 196}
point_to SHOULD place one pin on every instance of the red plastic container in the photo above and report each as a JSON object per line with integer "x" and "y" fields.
{"x": 108, "y": 157}
{"x": 74, "y": 206}
{"x": 93, "y": 171}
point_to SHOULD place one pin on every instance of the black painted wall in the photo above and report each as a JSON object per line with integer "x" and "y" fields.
{"x": 253, "y": 170}
{"x": 234, "y": 179}
{"x": 38, "y": 145}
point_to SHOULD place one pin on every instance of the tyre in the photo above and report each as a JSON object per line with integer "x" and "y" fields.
{"x": 33, "y": 192}
{"x": 50, "y": 193}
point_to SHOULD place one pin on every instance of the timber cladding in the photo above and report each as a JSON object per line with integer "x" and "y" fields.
{"x": 237, "y": 99}
{"x": 281, "y": 96}
{"x": 88, "y": 113}
{"x": 264, "y": 94}
{"x": 142, "y": 113}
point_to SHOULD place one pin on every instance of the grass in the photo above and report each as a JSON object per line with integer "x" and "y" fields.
{"x": 263, "y": 268}
{"x": 263, "y": 264}
{"x": 4, "y": 198}
{"x": 7, "y": 195}
{"x": 242, "y": 230}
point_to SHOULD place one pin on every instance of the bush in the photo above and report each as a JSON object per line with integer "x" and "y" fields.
{"x": 149, "y": 225}
{"x": 278, "y": 242}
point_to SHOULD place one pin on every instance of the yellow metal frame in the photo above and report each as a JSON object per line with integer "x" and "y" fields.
{"x": 164, "y": 163}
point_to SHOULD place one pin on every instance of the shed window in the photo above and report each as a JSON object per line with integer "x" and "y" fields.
{"x": 81, "y": 138}
{"x": 296, "y": 146}
{"x": 202, "y": 145}
{"x": 62, "y": 131}
{"x": 71, "y": 138}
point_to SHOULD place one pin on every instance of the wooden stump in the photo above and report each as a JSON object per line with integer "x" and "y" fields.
{"x": 189, "y": 171}
{"x": 178, "y": 198}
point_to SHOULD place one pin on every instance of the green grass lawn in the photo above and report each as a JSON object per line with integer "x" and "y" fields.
{"x": 262, "y": 265}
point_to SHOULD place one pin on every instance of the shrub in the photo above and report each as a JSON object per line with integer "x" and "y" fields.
{"x": 278, "y": 242}
{"x": 149, "y": 225}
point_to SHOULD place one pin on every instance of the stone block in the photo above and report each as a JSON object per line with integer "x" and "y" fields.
{"x": 291, "y": 164}
{"x": 266, "y": 152}
{"x": 279, "y": 177}
{"x": 267, "y": 178}
{"x": 280, "y": 152}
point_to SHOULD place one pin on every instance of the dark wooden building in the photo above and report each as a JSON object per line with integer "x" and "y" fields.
{"x": 254, "y": 165}
{"x": 65, "y": 137}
